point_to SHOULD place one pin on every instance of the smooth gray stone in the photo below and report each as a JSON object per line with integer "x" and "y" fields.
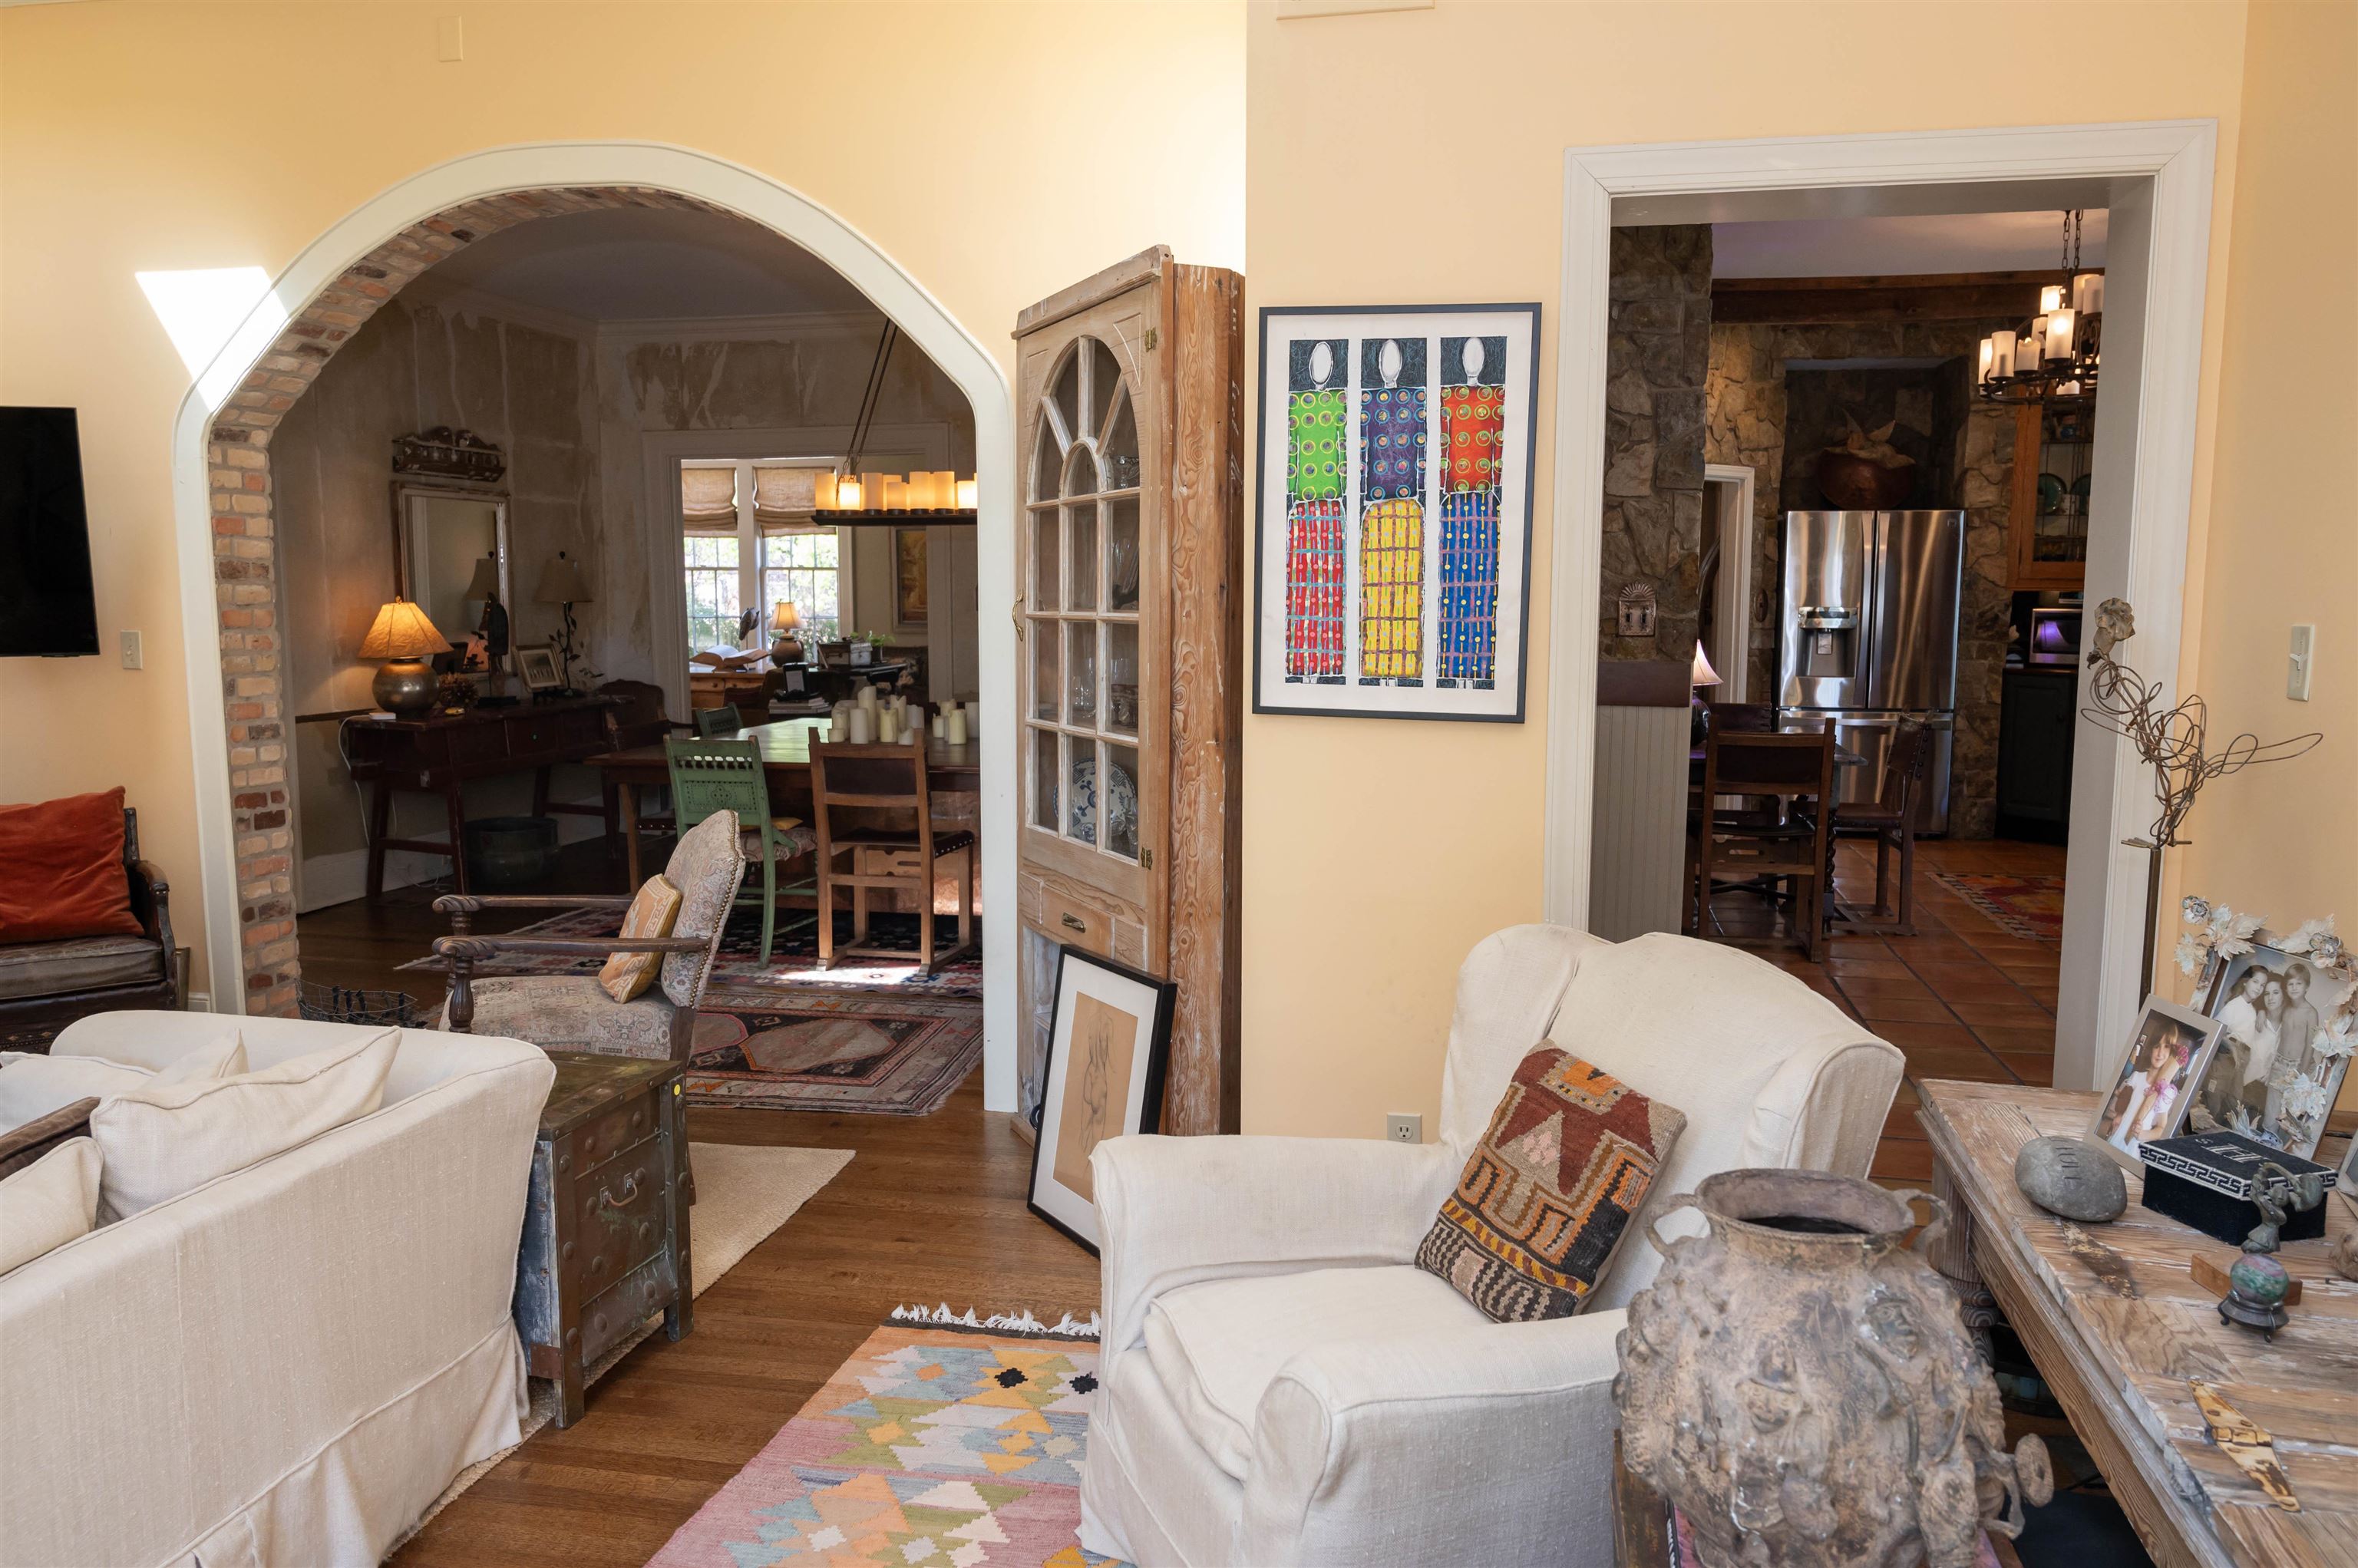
{"x": 2071, "y": 1176}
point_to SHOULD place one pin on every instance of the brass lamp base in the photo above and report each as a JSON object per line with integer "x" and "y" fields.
{"x": 406, "y": 687}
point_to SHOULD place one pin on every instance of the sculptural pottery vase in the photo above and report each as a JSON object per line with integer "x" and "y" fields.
{"x": 1802, "y": 1386}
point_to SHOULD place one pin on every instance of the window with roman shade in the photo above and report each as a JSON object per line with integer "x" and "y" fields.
{"x": 750, "y": 542}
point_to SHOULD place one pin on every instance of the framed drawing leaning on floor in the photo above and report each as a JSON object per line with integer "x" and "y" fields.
{"x": 1108, "y": 1044}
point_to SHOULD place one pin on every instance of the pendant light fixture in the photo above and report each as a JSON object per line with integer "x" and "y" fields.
{"x": 2056, "y": 355}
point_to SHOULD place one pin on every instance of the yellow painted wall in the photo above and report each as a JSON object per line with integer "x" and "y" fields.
{"x": 1040, "y": 143}
{"x": 1403, "y": 158}
{"x": 2283, "y": 840}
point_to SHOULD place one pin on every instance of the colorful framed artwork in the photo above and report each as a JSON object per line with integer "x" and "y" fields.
{"x": 1392, "y": 540}
{"x": 909, "y": 563}
{"x": 1109, "y": 1048}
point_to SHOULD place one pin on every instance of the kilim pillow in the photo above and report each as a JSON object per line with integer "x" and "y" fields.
{"x": 1551, "y": 1190}
{"x": 653, "y": 909}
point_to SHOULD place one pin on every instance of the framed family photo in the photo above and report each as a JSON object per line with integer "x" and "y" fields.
{"x": 1392, "y": 538}
{"x": 1109, "y": 1048}
{"x": 2277, "y": 1069}
{"x": 2154, "y": 1090}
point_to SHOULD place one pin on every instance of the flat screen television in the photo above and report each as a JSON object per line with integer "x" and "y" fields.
{"x": 47, "y": 608}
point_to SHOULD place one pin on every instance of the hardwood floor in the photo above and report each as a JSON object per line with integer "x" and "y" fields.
{"x": 930, "y": 1210}
{"x": 1963, "y": 998}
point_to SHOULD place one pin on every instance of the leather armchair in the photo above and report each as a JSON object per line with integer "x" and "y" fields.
{"x": 1281, "y": 1383}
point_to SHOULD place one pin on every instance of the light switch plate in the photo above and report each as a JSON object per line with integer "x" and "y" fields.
{"x": 449, "y": 39}
{"x": 1409, "y": 1128}
{"x": 2301, "y": 661}
{"x": 133, "y": 656}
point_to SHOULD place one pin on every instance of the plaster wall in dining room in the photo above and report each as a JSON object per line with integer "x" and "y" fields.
{"x": 789, "y": 374}
{"x": 419, "y": 363}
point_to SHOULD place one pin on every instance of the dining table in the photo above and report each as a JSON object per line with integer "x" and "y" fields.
{"x": 785, "y": 763}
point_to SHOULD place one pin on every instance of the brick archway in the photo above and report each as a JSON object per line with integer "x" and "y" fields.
{"x": 246, "y": 557}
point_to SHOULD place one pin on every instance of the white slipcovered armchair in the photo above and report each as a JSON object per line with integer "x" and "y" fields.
{"x": 1282, "y": 1384}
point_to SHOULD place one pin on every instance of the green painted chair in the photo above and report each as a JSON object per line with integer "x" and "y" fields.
{"x": 713, "y": 775}
{"x": 715, "y": 723}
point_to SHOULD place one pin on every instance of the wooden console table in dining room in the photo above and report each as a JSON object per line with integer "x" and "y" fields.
{"x": 2121, "y": 1333}
{"x": 438, "y": 754}
{"x": 785, "y": 758}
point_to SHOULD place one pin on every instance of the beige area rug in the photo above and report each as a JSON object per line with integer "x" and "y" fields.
{"x": 744, "y": 1192}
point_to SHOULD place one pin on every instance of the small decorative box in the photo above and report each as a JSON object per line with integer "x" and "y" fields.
{"x": 2204, "y": 1180}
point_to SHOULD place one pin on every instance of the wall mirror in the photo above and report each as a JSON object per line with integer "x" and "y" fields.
{"x": 442, "y": 535}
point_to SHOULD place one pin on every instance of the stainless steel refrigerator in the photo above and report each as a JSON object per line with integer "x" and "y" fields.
{"x": 1867, "y": 636}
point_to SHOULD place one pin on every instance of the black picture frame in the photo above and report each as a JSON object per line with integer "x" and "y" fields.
{"x": 1158, "y": 1064}
{"x": 1268, "y": 454}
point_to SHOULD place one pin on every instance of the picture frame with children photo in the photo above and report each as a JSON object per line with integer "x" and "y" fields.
{"x": 2280, "y": 1067}
{"x": 2154, "y": 1090}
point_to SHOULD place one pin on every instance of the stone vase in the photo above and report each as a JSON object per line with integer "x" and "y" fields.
{"x": 1803, "y": 1388}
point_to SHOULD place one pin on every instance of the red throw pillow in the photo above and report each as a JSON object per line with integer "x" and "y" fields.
{"x": 61, "y": 869}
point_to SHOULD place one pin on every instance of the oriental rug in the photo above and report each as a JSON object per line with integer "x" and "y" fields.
{"x": 935, "y": 1443}
{"x": 882, "y": 1055}
{"x": 2029, "y": 908}
{"x": 794, "y": 953}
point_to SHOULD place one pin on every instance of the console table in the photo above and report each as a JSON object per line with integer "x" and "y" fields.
{"x": 2122, "y": 1334}
{"x": 438, "y": 754}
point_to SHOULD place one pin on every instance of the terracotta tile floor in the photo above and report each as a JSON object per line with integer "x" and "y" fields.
{"x": 1961, "y": 998}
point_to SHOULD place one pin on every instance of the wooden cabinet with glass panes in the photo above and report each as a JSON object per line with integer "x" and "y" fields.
{"x": 2054, "y": 458}
{"x": 1130, "y": 620}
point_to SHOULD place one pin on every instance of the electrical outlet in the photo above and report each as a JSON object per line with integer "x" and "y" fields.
{"x": 133, "y": 656}
{"x": 1404, "y": 1129}
{"x": 2302, "y": 661}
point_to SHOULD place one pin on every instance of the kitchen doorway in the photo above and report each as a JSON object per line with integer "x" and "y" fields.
{"x": 2156, "y": 181}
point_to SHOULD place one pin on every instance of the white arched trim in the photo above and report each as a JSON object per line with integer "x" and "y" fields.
{"x": 755, "y": 196}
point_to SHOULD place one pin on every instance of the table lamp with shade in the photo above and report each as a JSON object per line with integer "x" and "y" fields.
{"x": 405, "y": 639}
{"x": 786, "y": 648}
{"x": 561, "y": 582}
{"x": 1698, "y": 676}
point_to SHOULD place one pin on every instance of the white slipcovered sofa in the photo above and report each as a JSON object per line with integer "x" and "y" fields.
{"x": 288, "y": 1363}
{"x": 1282, "y": 1385}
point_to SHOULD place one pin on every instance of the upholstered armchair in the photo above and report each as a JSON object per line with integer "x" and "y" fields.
{"x": 1281, "y": 1383}
{"x": 573, "y": 1012}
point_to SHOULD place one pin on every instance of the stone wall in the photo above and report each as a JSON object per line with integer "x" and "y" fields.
{"x": 1657, "y": 357}
{"x": 1749, "y": 402}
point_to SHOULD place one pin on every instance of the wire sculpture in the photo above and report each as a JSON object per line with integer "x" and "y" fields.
{"x": 2172, "y": 741}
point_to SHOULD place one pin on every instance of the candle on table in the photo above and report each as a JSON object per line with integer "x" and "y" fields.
{"x": 863, "y": 726}
{"x": 954, "y": 730}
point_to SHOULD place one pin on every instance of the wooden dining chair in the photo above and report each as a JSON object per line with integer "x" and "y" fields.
{"x": 884, "y": 781}
{"x": 1891, "y": 820}
{"x": 635, "y": 719}
{"x": 1786, "y": 844}
{"x": 714, "y": 722}
{"x": 712, "y": 776}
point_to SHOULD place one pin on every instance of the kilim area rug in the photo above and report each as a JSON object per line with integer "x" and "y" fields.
{"x": 884, "y": 1056}
{"x": 794, "y": 953}
{"x": 2020, "y": 906}
{"x": 935, "y": 1444}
